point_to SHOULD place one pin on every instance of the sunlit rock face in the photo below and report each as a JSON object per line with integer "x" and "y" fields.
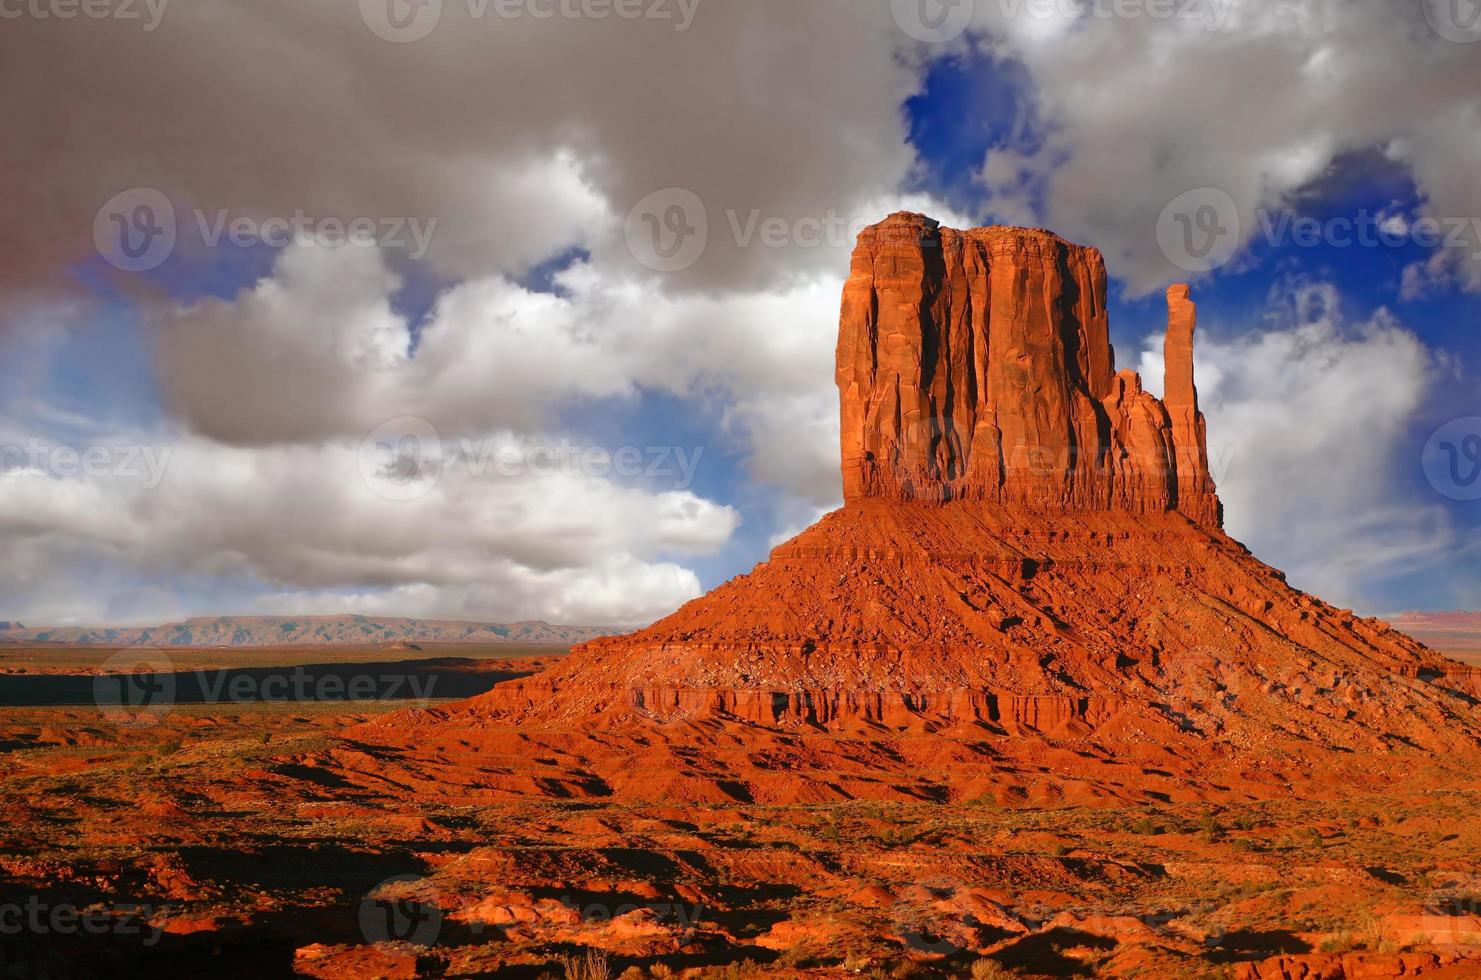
{"x": 978, "y": 365}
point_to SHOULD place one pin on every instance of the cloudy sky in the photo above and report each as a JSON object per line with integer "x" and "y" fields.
{"x": 502, "y": 309}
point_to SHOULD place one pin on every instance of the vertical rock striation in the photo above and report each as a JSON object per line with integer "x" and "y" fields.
{"x": 1195, "y": 487}
{"x": 978, "y": 365}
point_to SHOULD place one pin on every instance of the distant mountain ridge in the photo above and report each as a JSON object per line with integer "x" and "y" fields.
{"x": 267, "y": 631}
{"x": 1453, "y": 630}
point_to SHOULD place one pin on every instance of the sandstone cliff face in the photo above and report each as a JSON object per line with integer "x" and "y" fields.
{"x": 978, "y": 365}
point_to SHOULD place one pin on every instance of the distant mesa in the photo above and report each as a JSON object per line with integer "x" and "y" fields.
{"x": 1457, "y": 631}
{"x": 307, "y": 631}
{"x": 1027, "y": 591}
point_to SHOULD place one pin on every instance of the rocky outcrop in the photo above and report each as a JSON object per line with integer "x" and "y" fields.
{"x": 1028, "y": 576}
{"x": 1194, "y": 487}
{"x": 977, "y": 365}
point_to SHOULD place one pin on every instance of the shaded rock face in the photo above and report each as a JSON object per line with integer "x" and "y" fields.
{"x": 978, "y": 365}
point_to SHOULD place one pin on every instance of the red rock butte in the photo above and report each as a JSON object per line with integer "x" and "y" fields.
{"x": 1027, "y": 592}
{"x": 977, "y": 365}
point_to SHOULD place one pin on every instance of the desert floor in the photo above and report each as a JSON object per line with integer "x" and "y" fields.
{"x": 195, "y": 839}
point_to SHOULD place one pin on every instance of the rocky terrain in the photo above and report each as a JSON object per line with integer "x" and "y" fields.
{"x": 1020, "y": 708}
{"x": 225, "y": 843}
